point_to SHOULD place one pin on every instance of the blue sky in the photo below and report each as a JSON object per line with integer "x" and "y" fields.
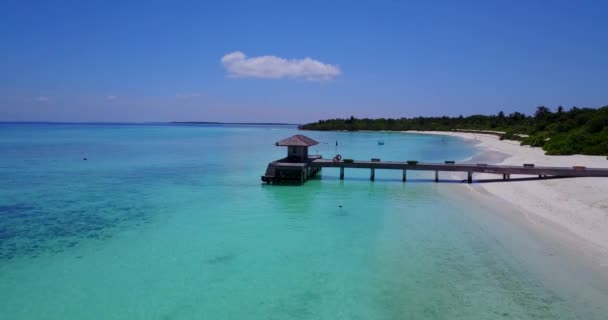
{"x": 162, "y": 61}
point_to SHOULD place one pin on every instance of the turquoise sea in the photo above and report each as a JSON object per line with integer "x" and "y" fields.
{"x": 172, "y": 222}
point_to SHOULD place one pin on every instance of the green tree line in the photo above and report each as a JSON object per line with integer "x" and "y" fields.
{"x": 558, "y": 132}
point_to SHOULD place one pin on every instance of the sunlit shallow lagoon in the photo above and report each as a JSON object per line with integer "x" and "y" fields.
{"x": 173, "y": 222}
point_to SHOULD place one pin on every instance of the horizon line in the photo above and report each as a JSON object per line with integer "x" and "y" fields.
{"x": 149, "y": 122}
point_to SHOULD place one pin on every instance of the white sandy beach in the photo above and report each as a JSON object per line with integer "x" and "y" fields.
{"x": 577, "y": 207}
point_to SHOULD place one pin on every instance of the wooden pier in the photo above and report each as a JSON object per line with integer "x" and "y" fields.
{"x": 301, "y": 169}
{"x": 288, "y": 172}
{"x": 470, "y": 169}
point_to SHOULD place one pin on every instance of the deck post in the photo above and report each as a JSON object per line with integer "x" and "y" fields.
{"x": 436, "y": 176}
{"x": 504, "y": 176}
{"x": 470, "y": 177}
{"x": 341, "y": 173}
{"x": 404, "y": 175}
{"x": 372, "y": 174}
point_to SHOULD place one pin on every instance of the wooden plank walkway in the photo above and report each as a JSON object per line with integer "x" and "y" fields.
{"x": 506, "y": 171}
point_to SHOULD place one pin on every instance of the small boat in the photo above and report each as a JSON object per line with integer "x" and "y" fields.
{"x": 380, "y": 143}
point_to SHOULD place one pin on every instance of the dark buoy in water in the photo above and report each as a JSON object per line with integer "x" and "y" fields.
{"x": 340, "y": 205}
{"x": 84, "y": 159}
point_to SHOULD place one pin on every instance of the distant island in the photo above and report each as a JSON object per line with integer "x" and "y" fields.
{"x": 241, "y": 123}
{"x": 559, "y": 132}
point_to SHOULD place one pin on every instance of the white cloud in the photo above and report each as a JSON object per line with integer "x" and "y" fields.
{"x": 187, "y": 95}
{"x": 42, "y": 99}
{"x": 111, "y": 97}
{"x": 271, "y": 67}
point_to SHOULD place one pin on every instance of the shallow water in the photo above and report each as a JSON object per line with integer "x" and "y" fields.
{"x": 172, "y": 222}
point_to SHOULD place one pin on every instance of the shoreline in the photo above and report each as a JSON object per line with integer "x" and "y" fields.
{"x": 575, "y": 208}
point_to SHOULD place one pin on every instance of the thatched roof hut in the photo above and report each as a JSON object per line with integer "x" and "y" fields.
{"x": 297, "y": 147}
{"x": 298, "y": 140}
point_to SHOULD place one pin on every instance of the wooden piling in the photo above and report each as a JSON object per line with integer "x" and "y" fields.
{"x": 404, "y": 175}
{"x": 341, "y": 173}
{"x": 470, "y": 176}
{"x": 436, "y": 176}
{"x": 372, "y": 174}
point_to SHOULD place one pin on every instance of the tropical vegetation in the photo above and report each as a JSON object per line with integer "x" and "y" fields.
{"x": 558, "y": 132}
